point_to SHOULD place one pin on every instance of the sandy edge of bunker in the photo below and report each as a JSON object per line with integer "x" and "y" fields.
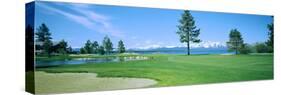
{"x": 46, "y": 83}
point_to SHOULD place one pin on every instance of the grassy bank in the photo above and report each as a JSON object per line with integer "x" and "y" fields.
{"x": 170, "y": 70}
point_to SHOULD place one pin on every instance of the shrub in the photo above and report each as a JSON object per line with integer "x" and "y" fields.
{"x": 262, "y": 48}
{"x": 245, "y": 49}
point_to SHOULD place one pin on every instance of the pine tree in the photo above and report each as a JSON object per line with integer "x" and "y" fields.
{"x": 187, "y": 30}
{"x": 88, "y": 47}
{"x": 235, "y": 41}
{"x": 121, "y": 47}
{"x": 95, "y": 46}
{"x": 44, "y": 36}
{"x": 270, "y": 42}
{"x": 62, "y": 47}
{"x": 107, "y": 44}
{"x": 43, "y": 33}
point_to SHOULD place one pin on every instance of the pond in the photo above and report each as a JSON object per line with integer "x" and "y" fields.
{"x": 88, "y": 60}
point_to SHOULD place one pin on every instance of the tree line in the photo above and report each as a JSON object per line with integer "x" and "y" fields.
{"x": 46, "y": 46}
{"x": 237, "y": 44}
{"x": 188, "y": 33}
{"x": 105, "y": 48}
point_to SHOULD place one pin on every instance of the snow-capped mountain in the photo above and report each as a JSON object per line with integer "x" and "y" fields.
{"x": 204, "y": 44}
{"x": 208, "y": 44}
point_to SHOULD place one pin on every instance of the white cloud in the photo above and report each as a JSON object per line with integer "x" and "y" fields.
{"x": 87, "y": 18}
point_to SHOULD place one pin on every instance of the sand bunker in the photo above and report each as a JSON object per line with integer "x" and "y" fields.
{"x": 83, "y": 82}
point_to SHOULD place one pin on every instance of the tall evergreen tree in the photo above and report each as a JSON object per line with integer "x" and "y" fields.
{"x": 187, "y": 30}
{"x": 235, "y": 42}
{"x": 62, "y": 47}
{"x": 95, "y": 46}
{"x": 43, "y": 33}
{"x": 121, "y": 47}
{"x": 44, "y": 36}
{"x": 88, "y": 47}
{"x": 107, "y": 44}
{"x": 270, "y": 42}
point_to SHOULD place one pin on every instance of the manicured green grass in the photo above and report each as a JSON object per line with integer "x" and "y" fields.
{"x": 171, "y": 70}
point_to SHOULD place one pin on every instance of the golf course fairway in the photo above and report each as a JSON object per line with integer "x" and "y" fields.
{"x": 173, "y": 70}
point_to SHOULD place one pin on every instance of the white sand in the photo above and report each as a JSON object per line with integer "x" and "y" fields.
{"x": 84, "y": 82}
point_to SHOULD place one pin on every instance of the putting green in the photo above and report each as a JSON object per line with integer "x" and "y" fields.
{"x": 83, "y": 82}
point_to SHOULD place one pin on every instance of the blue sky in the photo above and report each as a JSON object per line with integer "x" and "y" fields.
{"x": 141, "y": 27}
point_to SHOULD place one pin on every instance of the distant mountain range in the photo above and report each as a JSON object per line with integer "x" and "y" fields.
{"x": 201, "y": 45}
{"x": 206, "y": 44}
{"x": 181, "y": 50}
